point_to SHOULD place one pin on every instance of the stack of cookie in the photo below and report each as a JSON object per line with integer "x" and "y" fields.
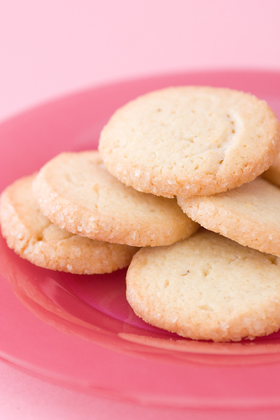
{"x": 74, "y": 216}
{"x": 170, "y": 162}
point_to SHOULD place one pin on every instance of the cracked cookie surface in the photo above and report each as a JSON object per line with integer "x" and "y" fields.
{"x": 206, "y": 287}
{"x": 190, "y": 141}
{"x": 33, "y": 237}
{"x": 76, "y": 192}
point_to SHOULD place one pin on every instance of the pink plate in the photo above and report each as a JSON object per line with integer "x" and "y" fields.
{"x": 79, "y": 330}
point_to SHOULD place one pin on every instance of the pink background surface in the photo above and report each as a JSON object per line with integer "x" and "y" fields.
{"x": 50, "y": 48}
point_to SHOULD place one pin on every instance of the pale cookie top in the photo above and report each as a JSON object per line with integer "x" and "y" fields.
{"x": 190, "y": 141}
{"x": 206, "y": 287}
{"x": 249, "y": 215}
{"x": 76, "y": 192}
{"x": 32, "y": 236}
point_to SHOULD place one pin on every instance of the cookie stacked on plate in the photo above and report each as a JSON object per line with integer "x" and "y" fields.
{"x": 74, "y": 216}
{"x": 169, "y": 161}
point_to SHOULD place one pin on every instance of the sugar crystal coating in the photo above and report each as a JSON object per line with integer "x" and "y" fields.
{"x": 89, "y": 201}
{"x": 190, "y": 141}
{"x": 32, "y": 236}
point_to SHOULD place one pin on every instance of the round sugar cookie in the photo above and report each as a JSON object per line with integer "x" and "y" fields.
{"x": 249, "y": 215}
{"x": 190, "y": 141}
{"x": 206, "y": 287}
{"x": 33, "y": 237}
{"x": 76, "y": 192}
{"x": 273, "y": 173}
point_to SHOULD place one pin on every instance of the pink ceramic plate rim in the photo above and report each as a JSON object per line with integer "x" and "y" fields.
{"x": 74, "y": 123}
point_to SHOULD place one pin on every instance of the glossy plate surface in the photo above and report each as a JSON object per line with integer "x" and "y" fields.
{"x": 79, "y": 330}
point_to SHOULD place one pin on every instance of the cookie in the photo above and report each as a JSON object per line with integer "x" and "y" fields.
{"x": 206, "y": 287}
{"x": 190, "y": 141}
{"x": 33, "y": 237}
{"x": 76, "y": 192}
{"x": 273, "y": 173}
{"x": 249, "y": 215}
